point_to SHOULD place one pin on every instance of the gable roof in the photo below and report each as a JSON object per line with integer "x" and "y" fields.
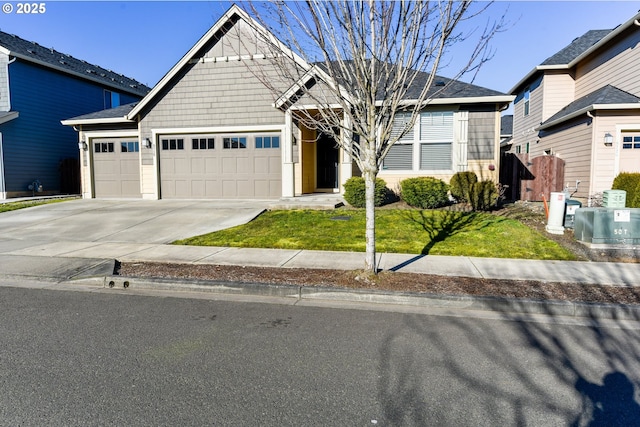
{"x": 48, "y": 57}
{"x": 606, "y": 98}
{"x": 506, "y": 125}
{"x": 577, "y": 50}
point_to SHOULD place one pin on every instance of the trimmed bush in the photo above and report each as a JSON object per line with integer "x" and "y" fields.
{"x": 424, "y": 192}
{"x": 629, "y": 182}
{"x": 483, "y": 195}
{"x": 460, "y": 185}
{"x": 354, "y": 192}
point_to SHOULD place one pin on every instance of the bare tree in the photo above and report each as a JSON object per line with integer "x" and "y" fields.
{"x": 363, "y": 70}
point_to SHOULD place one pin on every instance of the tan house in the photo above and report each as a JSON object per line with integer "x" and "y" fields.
{"x": 582, "y": 104}
{"x": 212, "y": 129}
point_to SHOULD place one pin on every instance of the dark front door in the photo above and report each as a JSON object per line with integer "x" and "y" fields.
{"x": 327, "y": 162}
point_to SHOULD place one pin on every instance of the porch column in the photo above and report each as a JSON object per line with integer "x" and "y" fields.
{"x": 288, "y": 178}
{"x": 346, "y": 170}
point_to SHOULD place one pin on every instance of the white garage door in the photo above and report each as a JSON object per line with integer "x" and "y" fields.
{"x": 116, "y": 167}
{"x": 237, "y": 166}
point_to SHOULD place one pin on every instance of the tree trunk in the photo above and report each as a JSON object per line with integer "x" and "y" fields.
{"x": 369, "y": 175}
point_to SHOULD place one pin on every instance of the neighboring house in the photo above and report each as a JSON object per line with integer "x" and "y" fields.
{"x": 39, "y": 87}
{"x": 211, "y": 129}
{"x": 582, "y": 104}
{"x": 506, "y": 132}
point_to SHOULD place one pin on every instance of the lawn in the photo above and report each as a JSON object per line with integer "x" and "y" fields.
{"x": 12, "y": 206}
{"x": 399, "y": 231}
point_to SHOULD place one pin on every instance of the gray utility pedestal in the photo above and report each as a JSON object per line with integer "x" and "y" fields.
{"x": 613, "y": 226}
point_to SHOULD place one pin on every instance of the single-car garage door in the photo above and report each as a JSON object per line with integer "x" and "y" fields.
{"x": 116, "y": 167}
{"x": 216, "y": 166}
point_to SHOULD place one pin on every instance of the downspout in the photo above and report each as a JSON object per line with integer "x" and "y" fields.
{"x": 636, "y": 23}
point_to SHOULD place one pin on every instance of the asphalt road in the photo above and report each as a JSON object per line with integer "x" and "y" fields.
{"x": 79, "y": 358}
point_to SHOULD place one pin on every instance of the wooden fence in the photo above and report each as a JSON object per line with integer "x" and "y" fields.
{"x": 529, "y": 179}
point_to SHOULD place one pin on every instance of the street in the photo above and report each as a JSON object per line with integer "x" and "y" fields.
{"x": 99, "y": 358}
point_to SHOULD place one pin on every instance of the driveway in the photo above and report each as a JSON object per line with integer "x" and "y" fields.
{"x": 121, "y": 221}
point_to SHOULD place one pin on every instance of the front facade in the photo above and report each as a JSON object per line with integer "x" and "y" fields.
{"x": 38, "y": 88}
{"x": 583, "y": 105}
{"x": 211, "y": 129}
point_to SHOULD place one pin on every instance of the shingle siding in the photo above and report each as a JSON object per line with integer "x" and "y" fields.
{"x": 5, "y": 103}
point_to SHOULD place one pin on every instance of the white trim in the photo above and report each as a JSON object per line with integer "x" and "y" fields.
{"x": 71, "y": 122}
{"x": 3, "y": 190}
{"x": 438, "y": 101}
{"x": 219, "y": 129}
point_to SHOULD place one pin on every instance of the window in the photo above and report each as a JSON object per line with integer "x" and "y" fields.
{"x": 436, "y": 140}
{"x": 111, "y": 99}
{"x": 527, "y": 95}
{"x": 518, "y": 149}
{"x": 129, "y": 147}
{"x": 631, "y": 142}
{"x": 203, "y": 144}
{"x": 173, "y": 144}
{"x": 104, "y": 147}
{"x": 267, "y": 142}
{"x": 433, "y": 133}
{"x": 234, "y": 142}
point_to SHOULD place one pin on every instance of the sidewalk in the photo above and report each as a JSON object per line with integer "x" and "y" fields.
{"x": 72, "y": 263}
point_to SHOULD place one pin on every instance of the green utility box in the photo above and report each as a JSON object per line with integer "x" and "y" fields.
{"x": 608, "y": 226}
{"x": 570, "y": 208}
{"x": 614, "y": 198}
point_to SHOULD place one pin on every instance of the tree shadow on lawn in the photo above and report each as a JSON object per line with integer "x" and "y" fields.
{"x": 440, "y": 225}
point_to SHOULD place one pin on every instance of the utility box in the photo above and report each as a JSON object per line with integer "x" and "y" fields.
{"x": 571, "y": 206}
{"x": 614, "y": 198}
{"x": 608, "y": 226}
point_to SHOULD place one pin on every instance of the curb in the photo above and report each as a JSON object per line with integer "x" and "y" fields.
{"x": 309, "y": 293}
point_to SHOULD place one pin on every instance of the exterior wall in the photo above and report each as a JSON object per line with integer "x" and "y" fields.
{"x": 607, "y": 159}
{"x": 524, "y": 126}
{"x": 215, "y": 92}
{"x": 571, "y": 142}
{"x": 615, "y": 64}
{"x": 36, "y": 142}
{"x": 5, "y": 101}
{"x": 559, "y": 91}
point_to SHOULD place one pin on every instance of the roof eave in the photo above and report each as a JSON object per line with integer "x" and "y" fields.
{"x": 585, "y": 110}
{"x": 119, "y": 88}
{"x": 9, "y": 116}
{"x": 110, "y": 120}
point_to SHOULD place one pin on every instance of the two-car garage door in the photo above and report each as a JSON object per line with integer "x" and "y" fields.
{"x": 216, "y": 166}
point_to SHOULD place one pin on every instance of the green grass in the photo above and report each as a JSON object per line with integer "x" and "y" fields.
{"x": 399, "y": 231}
{"x": 12, "y": 206}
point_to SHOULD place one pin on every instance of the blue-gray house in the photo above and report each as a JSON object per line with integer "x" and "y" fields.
{"x": 39, "y": 87}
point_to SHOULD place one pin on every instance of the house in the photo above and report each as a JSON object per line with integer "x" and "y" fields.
{"x": 582, "y": 104}
{"x": 211, "y": 128}
{"x": 38, "y": 87}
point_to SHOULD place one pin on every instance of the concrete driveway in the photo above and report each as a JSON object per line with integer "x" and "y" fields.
{"x": 121, "y": 221}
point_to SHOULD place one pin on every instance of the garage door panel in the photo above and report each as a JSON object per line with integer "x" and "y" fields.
{"x": 116, "y": 167}
{"x": 212, "y": 171}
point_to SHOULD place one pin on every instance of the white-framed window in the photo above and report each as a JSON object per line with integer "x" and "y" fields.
{"x": 234, "y": 142}
{"x": 631, "y": 142}
{"x": 267, "y": 141}
{"x": 428, "y": 146}
{"x": 527, "y": 96}
{"x": 203, "y": 143}
{"x": 173, "y": 144}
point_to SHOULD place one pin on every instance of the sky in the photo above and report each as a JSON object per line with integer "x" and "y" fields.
{"x": 144, "y": 39}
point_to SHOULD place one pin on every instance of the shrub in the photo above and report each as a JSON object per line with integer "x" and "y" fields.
{"x": 424, "y": 192}
{"x": 460, "y": 185}
{"x": 354, "y": 192}
{"x": 483, "y": 195}
{"x": 629, "y": 182}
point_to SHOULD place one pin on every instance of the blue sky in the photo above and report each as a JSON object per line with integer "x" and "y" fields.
{"x": 144, "y": 39}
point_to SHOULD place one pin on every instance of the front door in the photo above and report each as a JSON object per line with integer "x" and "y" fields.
{"x": 327, "y": 163}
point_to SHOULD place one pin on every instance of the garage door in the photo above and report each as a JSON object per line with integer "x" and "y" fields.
{"x": 236, "y": 166}
{"x": 116, "y": 167}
